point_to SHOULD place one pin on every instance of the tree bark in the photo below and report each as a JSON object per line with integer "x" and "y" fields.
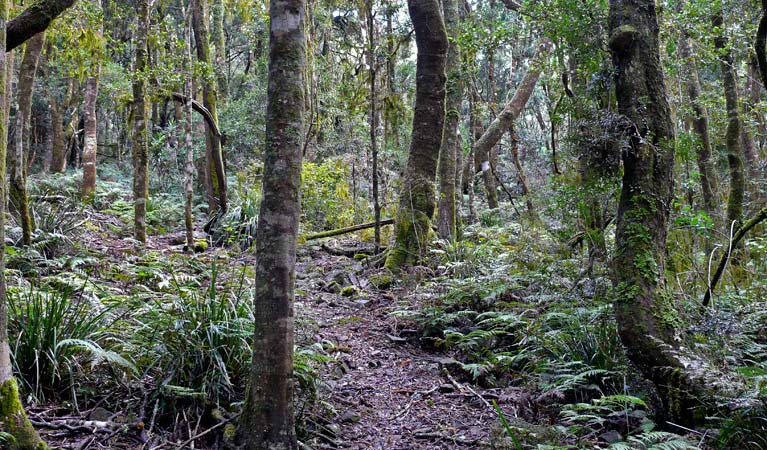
{"x": 732, "y": 136}
{"x": 35, "y": 19}
{"x": 416, "y": 201}
{"x": 447, "y": 168}
{"x": 219, "y": 41}
{"x": 90, "y": 132}
{"x": 189, "y": 169}
{"x": 18, "y": 165}
{"x": 214, "y": 159}
{"x": 13, "y": 418}
{"x": 373, "y": 121}
{"x": 644, "y": 311}
{"x": 268, "y": 420}
{"x": 140, "y": 144}
{"x": 700, "y": 125}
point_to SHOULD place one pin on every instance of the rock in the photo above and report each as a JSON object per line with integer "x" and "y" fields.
{"x": 611, "y": 437}
{"x": 349, "y": 416}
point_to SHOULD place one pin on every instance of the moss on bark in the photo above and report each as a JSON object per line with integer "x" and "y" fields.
{"x": 14, "y": 420}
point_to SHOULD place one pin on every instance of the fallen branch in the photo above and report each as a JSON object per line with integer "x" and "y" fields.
{"x": 347, "y": 230}
{"x": 736, "y": 238}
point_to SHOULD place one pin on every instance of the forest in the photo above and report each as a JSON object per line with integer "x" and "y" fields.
{"x": 383, "y": 224}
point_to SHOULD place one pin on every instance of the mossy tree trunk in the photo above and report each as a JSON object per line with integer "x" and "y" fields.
{"x": 218, "y": 14}
{"x": 268, "y": 420}
{"x": 373, "y": 118}
{"x": 416, "y": 201}
{"x": 448, "y": 168}
{"x": 140, "y": 144}
{"x": 645, "y": 312}
{"x": 708, "y": 180}
{"x": 189, "y": 169}
{"x": 90, "y": 131}
{"x": 18, "y": 165}
{"x": 214, "y": 159}
{"x": 732, "y": 136}
{"x": 13, "y": 418}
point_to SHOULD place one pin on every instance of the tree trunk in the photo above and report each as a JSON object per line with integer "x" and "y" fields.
{"x": 140, "y": 144}
{"x": 373, "y": 122}
{"x": 732, "y": 136}
{"x": 447, "y": 168}
{"x": 189, "y": 168}
{"x": 268, "y": 420}
{"x": 416, "y": 201}
{"x": 13, "y": 418}
{"x": 644, "y": 311}
{"x": 217, "y": 16}
{"x": 18, "y": 165}
{"x": 90, "y": 132}
{"x": 214, "y": 159}
{"x": 700, "y": 125}
{"x": 514, "y": 107}
{"x": 58, "y": 144}
{"x": 520, "y": 171}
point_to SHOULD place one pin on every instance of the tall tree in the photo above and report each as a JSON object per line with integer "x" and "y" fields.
{"x": 416, "y": 199}
{"x": 214, "y": 159}
{"x": 140, "y": 138}
{"x": 447, "y": 168}
{"x": 18, "y": 165}
{"x": 268, "y": 420}
{"x": 90, "y": 131}
{"x": 732, "y": 136}
{"x": 189, "y": 168}
{"x": 644, "y": 311}
{"x": 13, "y": 418}
{"x": 373, "y": 118}
{"x": 700, "y": 126}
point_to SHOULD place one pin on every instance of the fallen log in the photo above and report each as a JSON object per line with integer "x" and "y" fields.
{"x": 347, "y": 230}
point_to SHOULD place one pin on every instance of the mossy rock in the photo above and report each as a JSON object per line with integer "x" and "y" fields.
{"x": 200, "y": 246}
{"x": 381, "y": 280}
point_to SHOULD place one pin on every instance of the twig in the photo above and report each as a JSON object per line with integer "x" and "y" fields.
{"x": 469, "y": 388}
{"x": 203, "y": 433}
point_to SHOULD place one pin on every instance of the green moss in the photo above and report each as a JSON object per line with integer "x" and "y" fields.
{"x": 14, "y": 420}
{"x": 381, "y": 280}
{"x": 348, "y": 291}
{"x": 413, "y": 231}
{"x": 200, "y": 246}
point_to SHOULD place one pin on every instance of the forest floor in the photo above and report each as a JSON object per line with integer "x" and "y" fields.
{"x": 388, "y": 392}
{"x": 381, "y": 390}
{"x": 506, "y": 317}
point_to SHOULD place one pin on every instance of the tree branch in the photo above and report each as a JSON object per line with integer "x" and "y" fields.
{"x": 33, "y": 20}
{"x": 197, "y": 106}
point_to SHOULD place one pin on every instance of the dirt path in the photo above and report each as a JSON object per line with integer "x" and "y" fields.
{"x": 389, "y": 393}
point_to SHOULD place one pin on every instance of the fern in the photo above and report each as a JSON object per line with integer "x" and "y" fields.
{"x": 98, "y": 354}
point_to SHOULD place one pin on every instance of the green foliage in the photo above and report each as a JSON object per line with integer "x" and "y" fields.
{"x": 326, "y": 198}
{"x": 654, "y": 440}
{"x": 200, "y": 341}
{"x": 52, "y": 332}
